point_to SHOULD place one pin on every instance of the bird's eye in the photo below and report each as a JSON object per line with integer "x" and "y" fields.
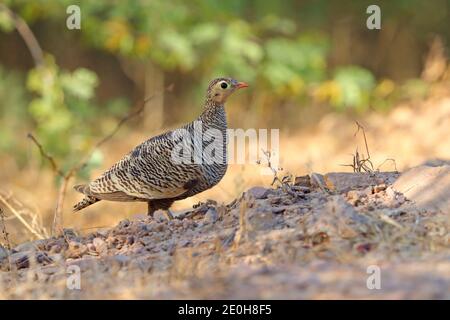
{"x": 224, "y": 85}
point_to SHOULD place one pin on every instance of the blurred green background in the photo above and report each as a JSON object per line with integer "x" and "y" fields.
{"x": 303, "y": 59}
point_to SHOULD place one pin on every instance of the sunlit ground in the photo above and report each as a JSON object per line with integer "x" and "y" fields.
{"x": 410, "y": 134}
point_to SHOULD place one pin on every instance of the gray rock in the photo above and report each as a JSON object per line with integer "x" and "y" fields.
{"x": 30, "y": 246}
{"x": 337, "y": 218}
{"x": 3, "y": 253}
{"x": 303, "y": 181}
{"x": 345, "y": 181}
{"x": 23, "y": 259}
{"x": 211, "y": 215}
{"x": 20, "y": 259}
{"x": 122, "y": 259}
{"x": 258, "y": 192}
{"x": 100, "y": 245}
{"x": 27, "y": 246}
{"x": 76, "y": 249}
{"x": 261, "y": 220}
{"x": 427, "y": 186}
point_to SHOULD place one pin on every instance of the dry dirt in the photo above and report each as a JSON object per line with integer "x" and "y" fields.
{"x": 316, "y": 236}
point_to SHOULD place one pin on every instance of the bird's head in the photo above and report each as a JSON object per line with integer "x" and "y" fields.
{"x": 221, "y": 88}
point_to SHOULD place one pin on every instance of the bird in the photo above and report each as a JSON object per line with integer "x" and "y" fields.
{"x": 163, "y": 169}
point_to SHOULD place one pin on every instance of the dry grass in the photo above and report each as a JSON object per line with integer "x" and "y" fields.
{"x": 306, "y": 258}
{"x": 279, "y": 246}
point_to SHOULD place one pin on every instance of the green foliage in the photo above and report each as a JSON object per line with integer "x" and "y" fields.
{"x": 12, "y": 101}
{"x": 254, "y": 40}
{"x": 63, "y": 111}
{"x": 6, "y": 23}
{"x": 355, "y": 85}
{"x": 268, "y": 43}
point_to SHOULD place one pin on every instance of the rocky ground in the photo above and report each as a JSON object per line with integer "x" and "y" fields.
{"x": 315, "y": 236}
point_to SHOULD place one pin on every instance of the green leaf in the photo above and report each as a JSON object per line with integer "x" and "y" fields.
{"x": 81, "y": 83}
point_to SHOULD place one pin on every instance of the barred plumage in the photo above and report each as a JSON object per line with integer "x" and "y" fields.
{"x": 157, "y": 171}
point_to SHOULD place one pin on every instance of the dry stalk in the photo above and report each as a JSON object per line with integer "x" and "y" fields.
{"x": 6, "y": 204}
{"x": 4, "y": 232}
{"x": 284, "y": 182}
{"x": 5, "y": 236}
{"x": 360, "y": 163}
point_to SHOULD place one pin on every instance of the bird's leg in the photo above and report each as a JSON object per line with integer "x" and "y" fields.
{"x": 151, "y": 210}
{"x": 168, "y": 214}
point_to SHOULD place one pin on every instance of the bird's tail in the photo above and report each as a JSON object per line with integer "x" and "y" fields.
{"x": 87, "y": 200}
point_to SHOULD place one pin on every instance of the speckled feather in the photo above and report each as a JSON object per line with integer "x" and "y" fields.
{"x": 148, "y": 173}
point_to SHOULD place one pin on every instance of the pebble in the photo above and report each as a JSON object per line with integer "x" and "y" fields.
{"x": 258, "y": 192}
{"x": 3, "y": 253}
{"x": 211, "y": 215}
{"x": 76, "y": 249}
{"x": 100, "y": 245}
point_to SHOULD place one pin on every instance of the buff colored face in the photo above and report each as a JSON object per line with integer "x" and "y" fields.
{"x": 224, "y": 88}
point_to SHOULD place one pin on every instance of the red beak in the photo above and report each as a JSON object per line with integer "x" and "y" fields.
{"x": 241, "y": 85}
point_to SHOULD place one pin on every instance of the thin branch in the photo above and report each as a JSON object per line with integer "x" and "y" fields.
{"x": 113, "y": 132}
{"x": 27, "y": 35}
{"x": 21, "y": 219}
{"x": 44, "y": 154}
{"x": 364, "y": 135}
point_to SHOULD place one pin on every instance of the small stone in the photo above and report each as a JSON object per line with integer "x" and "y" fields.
{"x": 211, "y": 215}
{"x": 43, "y": 258}
{"x": 337, "y": 219}
{"x": 100, "y": 245}
{"x": 344, "y": 181}
{"x": 426, "y": 186}
{"x": 91, "y": 249}
{"x": 103, "y": 232}
{"x": 3, "y": 253}
{"x": 130, "y": 240}
{"x": 184, "y": 243}
{"x": 259, "y": 220}
{"x": 23, "y": 259}
{"x": 122, "y": 259}
{"x": 146, "y": 241}
{"x": 123, "y": 224}
{"x": 76, "y": 249}
{"x": 258, "y": 192}
{"x": 356, "y": 197}
{"x": 70, "y": 234}
{"x": 160, "y": 227}
{"x": 20, "y": 259}
{"x": 317, "y": 181}
{"x": 379, "y": 188}
{"x": 28, "y": 246}
{"x": 303, "y": 181}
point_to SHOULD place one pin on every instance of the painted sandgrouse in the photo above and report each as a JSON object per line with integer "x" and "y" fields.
{"x": 174, "y": 165}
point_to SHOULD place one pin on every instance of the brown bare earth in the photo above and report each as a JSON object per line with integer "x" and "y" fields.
{"x": 316, "y": 236}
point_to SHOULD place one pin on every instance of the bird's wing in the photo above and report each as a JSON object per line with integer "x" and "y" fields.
{"x": 147, "y": 172}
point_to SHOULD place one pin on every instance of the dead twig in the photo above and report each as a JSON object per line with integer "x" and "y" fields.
{"x": 113, "y": 132}
{"x": 19, "y": 216}
{"x": 45, "y": 155}
{"x": 360, "y": 163}
{"x": 285, "y": 182}
{"x": 5, "y": 233}
{"x": 388, "y": 159}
